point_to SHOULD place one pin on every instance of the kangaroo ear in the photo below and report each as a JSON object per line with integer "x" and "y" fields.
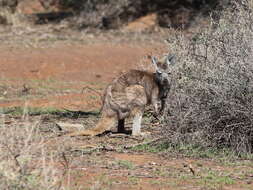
{"x": 170, "y": 59}
{"x": 154, "y": 62}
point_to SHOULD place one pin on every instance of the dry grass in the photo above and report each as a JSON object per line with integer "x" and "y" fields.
{"x": 26, "y": 162}
{"x": 211, "y": 99}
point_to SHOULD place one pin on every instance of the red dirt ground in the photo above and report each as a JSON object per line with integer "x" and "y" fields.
{"x": 70, "y": 67}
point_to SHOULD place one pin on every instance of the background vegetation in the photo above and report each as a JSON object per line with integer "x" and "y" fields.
{"x": 211, "y": 101}
{"x": 110, "y": 14}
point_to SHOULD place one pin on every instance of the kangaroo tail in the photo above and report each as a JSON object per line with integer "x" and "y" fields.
{"x": 104, "y": 124}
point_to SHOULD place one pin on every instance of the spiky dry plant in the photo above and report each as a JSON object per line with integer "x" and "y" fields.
{"x": 211, "y": 101}
{"x": 26, "y": 162}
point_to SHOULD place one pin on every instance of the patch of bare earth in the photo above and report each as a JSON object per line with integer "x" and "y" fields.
{"x": 131, "y": 170}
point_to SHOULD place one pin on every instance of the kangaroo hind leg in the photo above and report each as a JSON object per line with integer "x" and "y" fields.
{"x": 136, "y": 127}
{"x": 121, "y": 126}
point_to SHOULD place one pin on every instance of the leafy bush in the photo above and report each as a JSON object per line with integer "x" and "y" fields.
{"x": 211, "y": 101}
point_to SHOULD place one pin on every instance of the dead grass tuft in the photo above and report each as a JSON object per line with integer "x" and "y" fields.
{"x": 25, "y": 160}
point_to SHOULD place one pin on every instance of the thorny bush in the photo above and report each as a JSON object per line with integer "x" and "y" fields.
{"x": 211, "y": 100}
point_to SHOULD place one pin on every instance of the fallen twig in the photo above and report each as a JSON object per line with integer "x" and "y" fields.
{"x": 191, "y": 169}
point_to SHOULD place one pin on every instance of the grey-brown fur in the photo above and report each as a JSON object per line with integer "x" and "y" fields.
{"x": 128, "y": 95}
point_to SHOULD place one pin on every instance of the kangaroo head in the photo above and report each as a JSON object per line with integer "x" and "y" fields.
{"x": 162, "y": 78}
{"x": 162, "y": 66}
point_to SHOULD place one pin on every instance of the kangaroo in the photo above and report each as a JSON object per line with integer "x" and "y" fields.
{"x": 128, "y": 95}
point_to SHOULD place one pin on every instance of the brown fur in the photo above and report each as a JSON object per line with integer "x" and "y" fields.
{"x": 127, "y": 95}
